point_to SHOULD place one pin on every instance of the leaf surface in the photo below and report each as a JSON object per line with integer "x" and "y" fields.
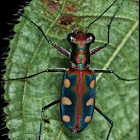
{"x": 30, "y": 53}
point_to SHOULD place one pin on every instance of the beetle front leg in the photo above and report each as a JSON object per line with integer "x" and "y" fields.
{"x": 57, "y": 47}
{"x": 109, "y": 120}
{"x": 93, "y": 51}
{"x": 109, "y": 71}
{"x": 44, "y": 108}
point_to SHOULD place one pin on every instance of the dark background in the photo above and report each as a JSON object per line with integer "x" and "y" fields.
{"x": 9, "y": 10}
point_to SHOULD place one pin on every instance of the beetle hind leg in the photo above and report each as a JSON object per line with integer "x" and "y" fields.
{"x": 109, "y": 120}
{"x": 43, "y": 109}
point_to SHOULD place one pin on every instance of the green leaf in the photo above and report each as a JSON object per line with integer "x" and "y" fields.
{"x": 30, "y": 53}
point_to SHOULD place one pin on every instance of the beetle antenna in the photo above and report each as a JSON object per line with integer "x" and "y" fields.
{"x": 62, "y": 15}
{"x": 100, "y": 16}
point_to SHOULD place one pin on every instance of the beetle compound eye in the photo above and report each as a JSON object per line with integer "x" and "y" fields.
{"x": 70, "y": 38}
{"x": 91, "y": 37}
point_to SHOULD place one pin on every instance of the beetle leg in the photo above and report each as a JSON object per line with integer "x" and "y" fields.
{"x": 93, "y": 51}
{"x": 109, "y": 71}
{"x": 48, "y": 70}
{"x": 108, "y": 119}
{"x": 43, "y": 109}
{"x": 57, "y": 47}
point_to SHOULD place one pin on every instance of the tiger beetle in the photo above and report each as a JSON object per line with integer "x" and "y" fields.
{"x": 77, "y": 100}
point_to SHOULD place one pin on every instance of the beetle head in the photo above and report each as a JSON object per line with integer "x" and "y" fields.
{"x": 80, "y": 36}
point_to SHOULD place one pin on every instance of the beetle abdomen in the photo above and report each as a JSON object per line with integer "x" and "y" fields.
{"x": 78, "y": 98}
